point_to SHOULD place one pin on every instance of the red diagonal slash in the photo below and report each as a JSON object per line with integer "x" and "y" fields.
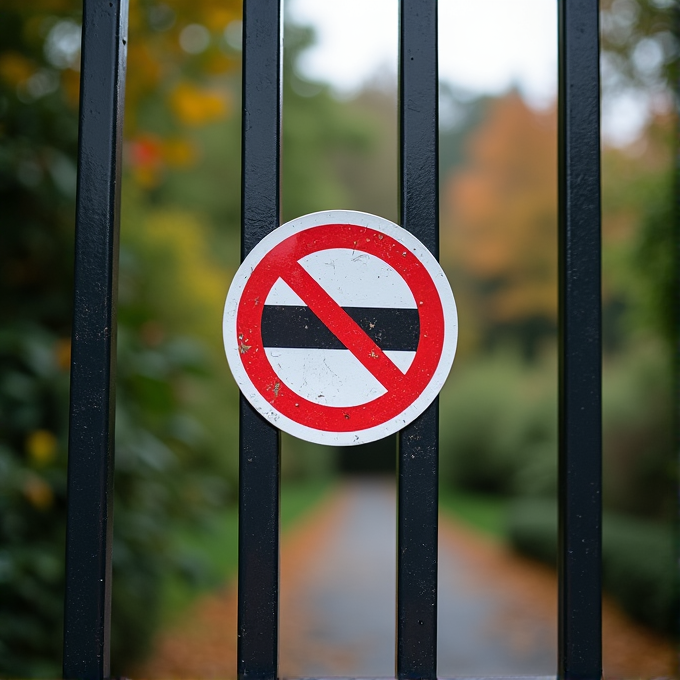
{"x": 345, "y": 329}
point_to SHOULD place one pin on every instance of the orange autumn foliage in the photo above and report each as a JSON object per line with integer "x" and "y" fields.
{"x": 499, "y": 226}
{"x": 191, "y": 84}
{"x": 198, "y": 105}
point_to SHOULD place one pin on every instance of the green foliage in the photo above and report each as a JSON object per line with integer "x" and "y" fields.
{"x": 37, "y": 186}
{"x": 303, "y": 461}
{"x": 165, "y": 478}
{"x": 38, "y": 137}
{"x": 33, "y": 397}
{"x": 639, "y": 45}
{"x": 316, "y": 131}
{"x": 169, "y": 469}
{"x": 499, "y": 429}
{"x": 656, "y": 262}
{"x": 531, "y": 528}
{"x": 639, "y": 565}
{"x": 498, "y": 426}
{"x": 640, "y": 253}
{"x": 639, "y": 461}
{"x": 484, "y": 512}
{"x": 175, "y": 460}
{"x": 460, "y": 113}
{"x": 209, "y": 552}
{"x": 168, "y": 475}
{"x": 640, "y": 569}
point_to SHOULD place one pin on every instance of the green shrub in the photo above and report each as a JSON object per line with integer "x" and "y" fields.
{"x": 638, "y": 563}
{"x": 499, "y": 429}
{"x": 482, "y": 512}
{"x": 168, "y": 475}
{"x": 532, "y": 528}
{"x": 33, "y": 398}
{"x": 498, "y": 426}
{"x": 639, "y": 459}
{"x": 640, "y": 569}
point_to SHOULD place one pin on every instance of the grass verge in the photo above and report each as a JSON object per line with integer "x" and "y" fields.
{"x": 208, "y": 557}
{"x": 484, "y": 513}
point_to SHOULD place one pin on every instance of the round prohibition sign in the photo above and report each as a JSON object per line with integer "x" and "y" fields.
{"x": 340, "y": 327}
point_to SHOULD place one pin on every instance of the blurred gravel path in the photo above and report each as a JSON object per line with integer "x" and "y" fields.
{"x": 497, "y": 611}
{"x": 349, "y": 604}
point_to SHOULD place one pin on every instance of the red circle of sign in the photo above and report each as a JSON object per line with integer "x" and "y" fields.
{"x": 279, "y": 262}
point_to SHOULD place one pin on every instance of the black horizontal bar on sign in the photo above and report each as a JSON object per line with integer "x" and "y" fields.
{"x": 292, "y": 326}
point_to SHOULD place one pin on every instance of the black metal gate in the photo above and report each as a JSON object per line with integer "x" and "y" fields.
{"x": 88, "y": 561}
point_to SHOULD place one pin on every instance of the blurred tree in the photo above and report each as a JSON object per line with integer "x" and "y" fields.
{"x": 371, "y": 179}
{"x": 499, "y": 230}
{"x": 460, "y": 113}
{"x": 640, "y": 47}
{"x": 499, "y": 235}
{"x": 639, "y": 219}
{"x": 316, "y": 128}
{"x": 485, "y": 242}
{"x": 177, "y": 53}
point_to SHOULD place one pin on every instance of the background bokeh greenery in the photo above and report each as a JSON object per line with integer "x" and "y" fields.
{"x": 176, "y": 439}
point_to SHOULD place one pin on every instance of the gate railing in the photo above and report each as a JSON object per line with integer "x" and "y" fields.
{"x": 88, "y": 561}
{"x": 87, "y": 607}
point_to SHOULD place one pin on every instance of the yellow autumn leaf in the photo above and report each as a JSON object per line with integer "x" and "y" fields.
{"x": 70, "y": 87}
{"x": 146, "y": 176}
{"x": 194, "y": 105}
{"x": 15, "y": 69}
{"x": 216, "y": 18}
{"x": 193, "y": 284}
{"x": 38, "y": 492}
{"x": 41, "y": 446}
{"x": 55, "y": 6}
{"x": 62, "y": 353}
{"x": 179, "y": 153}
{"x": 219, "y": 63}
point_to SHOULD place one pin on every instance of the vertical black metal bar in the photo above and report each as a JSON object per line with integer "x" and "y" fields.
{"x": 91, "y": 448}
{"x": 258, "y": 568}
{"x": 580, "y": 437}
{"x": 418, "y": 457}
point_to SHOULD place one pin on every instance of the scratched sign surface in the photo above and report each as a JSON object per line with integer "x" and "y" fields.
{"x": 340, "y": 327}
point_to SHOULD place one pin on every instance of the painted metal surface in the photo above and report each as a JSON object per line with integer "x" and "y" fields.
{"x": 418, "y": 457}
{"x": 93, "y": 365}
{"x": 330, "y": 381}
{"x": 259, "y": 441}
{"x": 580, "y": 389}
